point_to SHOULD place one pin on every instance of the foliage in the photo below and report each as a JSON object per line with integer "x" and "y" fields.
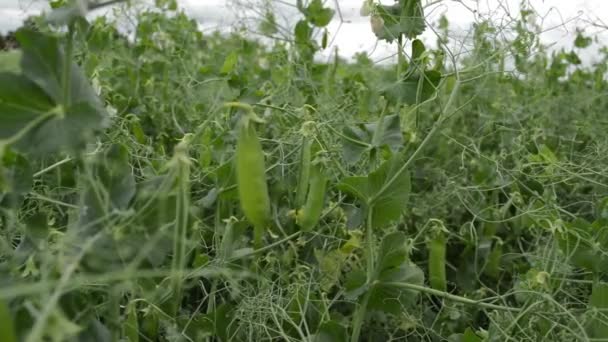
{"x": 179, "y": 185}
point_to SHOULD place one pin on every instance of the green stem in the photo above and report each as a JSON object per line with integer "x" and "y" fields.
{"x": 359, "y": 316}
{"x": 67, "y": 66}
{"x": 182, "y": 164}
{"x": 423, "y": 144}
{"x": 452, "y": 297}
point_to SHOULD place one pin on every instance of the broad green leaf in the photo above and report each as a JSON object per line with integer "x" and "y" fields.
{"x": 581, "y": 41}
{"x": 418, "y": 49}
{"x": 385, "y": 190}
{"x": 403, "y": 18}
{"x": 317, "y": 14}
{"x": 598, "y": 328}
{"x": 15, "y": 174}
{"x": 406, "y": 91}
{"x": 7, "y": 329}
{"x": 9, "y": 61}
{"x": 362, "y": 137}
{"x": 392, "y": 266}
{"x": 43, "y": 63}
{"x": 470, "y": 336}
{"x": 268, "y": 26}
{"x": 302, "y": 33}
{"x": 230, "y": 63}
{"x": 41, "y": 112}
{"x": 331, "y": 331}
{"x": 392, "y": 299}
{"x": 586, "y": 244}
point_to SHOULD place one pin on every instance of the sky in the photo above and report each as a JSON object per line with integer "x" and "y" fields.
{"x": 351, "y": 32}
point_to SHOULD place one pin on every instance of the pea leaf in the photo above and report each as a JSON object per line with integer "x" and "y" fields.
{"x": 598, "y": 327}
{"x": 302, "y": 33}
{"x": 364, "y": 137}
{"x": 406, "y": 90}
{"x": 317, "y": 14}
{"x": 230, "y": 63}
{"x": 586, "y": 244}
{"x": 403, "y": 18}
{"x": 331, "y": 331}
{"x": 40, "y": 110}
{"x": 392, "y": 266}
{"x": 15, "y": 174}
{"x": 385, "y": 191}
{"x": 9, "y": 60}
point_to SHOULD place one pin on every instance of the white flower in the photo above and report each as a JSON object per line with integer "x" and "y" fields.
{"x": 377, "y": 24}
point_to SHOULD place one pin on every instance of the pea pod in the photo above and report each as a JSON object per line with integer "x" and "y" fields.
{"x": 308, "y": 216}
{"x": 132, "y": 327}
{"x": 303, "y": 181}
{"x": 7, "y": 328}
{"x": 251, "y": 179}
{"x": 436, "y": 248}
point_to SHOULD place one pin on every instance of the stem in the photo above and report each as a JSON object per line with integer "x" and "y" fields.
{"x": 359, "y": 317}
{"x": 452, "y": 297}
{"x": 67, "y": 66}
{"x": 362, "y": 309}
{"x": 427, "y": 139}
{"x": 182, "y": 164}
{"x": 37, "y": 330}
{"x": 267, "y": 247}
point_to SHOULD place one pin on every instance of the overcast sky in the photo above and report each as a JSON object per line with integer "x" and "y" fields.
{"x": 352, "y": 33}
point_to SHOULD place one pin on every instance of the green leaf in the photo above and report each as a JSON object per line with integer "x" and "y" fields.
{"x": 15, "y": 174}
{"x": 331, "y": 331}
{"x": 302, "y": 33}
{"x": 9, "y": 61}
{"x": 470, "y": 336}
{"x": 598, "y": 327}
{"x": 406, "y": 91}
{"x": 386, "y": 191}
{"x": 43, "y": 63}
{"x": 38, "y": 115}
{"x": 403, "y": 18}
{"x": 391, "y": 299}
{"x": 586, "y": 244}
{"x": 363, "y": 137}
{"x": 392, "y": 266}
{"x": 7, "y": 328}
{"x": 581, "y": 41}
{"x": 317, "y": 14}
{"x": 268, "y": 26}
{"x": 230, "y": 63}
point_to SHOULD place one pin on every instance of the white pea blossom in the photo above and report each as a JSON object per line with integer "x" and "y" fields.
{"x": 377, "y": 24}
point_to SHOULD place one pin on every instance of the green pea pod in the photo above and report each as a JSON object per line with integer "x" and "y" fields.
{"x": 132, "y": 327}
{"x": 308, "y": 216}
{"x": 7, "y": 328}
{"x": 437, "y": 247}
{"x": 251, "y": 179}
{"x": 303, "y": 181}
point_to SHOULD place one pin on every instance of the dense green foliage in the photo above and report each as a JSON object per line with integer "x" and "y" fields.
{"x": 435, "y": 199}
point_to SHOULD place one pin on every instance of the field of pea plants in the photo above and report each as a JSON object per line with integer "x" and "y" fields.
{"x": 172, "y": 184}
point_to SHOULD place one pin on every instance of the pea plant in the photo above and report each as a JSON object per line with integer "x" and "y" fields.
{"x": 176, "y": 185}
